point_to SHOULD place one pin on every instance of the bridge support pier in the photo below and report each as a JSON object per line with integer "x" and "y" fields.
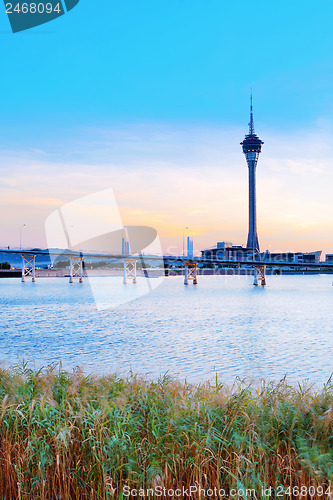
{"x": 190, "y": 273}
{"x": 28, "y": 267}
{"x": 129, "y": 270}
{"x": 76, "y": 269}
{"x": 260, "y": 275}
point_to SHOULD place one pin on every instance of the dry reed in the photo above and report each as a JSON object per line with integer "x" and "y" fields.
{"x": 71, "y": 436}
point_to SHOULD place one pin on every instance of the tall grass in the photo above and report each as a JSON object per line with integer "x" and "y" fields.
{"x": 71, "y": 436}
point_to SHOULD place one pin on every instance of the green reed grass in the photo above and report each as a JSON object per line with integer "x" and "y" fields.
{"x": 71, "y": 436}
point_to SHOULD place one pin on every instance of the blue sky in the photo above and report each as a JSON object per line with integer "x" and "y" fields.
{"x": 119, "y": 83}
{"x": 171, "y": 60}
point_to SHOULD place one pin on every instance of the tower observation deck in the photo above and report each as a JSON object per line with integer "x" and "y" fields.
{"x": 252, "y": 148}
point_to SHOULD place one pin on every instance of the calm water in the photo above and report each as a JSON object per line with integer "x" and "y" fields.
{"x": 224, "y": 326}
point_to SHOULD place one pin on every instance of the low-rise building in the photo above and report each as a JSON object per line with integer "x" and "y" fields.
{"x": 227, "y": 251}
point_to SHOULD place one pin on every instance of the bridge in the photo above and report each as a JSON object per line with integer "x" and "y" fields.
{"x": 191, "y": 263}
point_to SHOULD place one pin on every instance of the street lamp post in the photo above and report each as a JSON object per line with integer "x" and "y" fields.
{"x": 21, "y": 235}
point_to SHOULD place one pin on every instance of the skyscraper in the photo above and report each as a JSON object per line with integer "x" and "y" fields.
{"x": 252, "y": 148}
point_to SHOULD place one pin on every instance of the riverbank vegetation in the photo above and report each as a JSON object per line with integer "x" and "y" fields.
{"x": 73, "y": 436}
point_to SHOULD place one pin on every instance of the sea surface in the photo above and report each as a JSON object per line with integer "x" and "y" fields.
{"x": 222, "y": 327}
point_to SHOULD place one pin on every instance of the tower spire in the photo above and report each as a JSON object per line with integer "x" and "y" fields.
{"x": 251, "y": 124}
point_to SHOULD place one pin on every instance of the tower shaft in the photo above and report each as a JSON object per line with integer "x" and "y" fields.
{"x": 252, "y": 239}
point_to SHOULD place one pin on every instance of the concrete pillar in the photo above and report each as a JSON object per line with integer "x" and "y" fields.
{"x": 255, "y": 282}
{"x": 70, "y": 270}
{"x": 190, "y": 273}
{"x": 28, "y": 267}
{"x": 129, "y": 270}
{"x": 23, "y": 270}
{"x": 76, "y": 269}
{"x": 125, "y": 273}
{"x": 260, "y": 275}
{"x": 185, "y": 274}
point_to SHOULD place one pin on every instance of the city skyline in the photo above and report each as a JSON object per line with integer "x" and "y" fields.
{"x": 161, "y": 123}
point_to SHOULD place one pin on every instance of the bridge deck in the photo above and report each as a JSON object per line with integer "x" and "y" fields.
{"x": 173, "y": 258}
